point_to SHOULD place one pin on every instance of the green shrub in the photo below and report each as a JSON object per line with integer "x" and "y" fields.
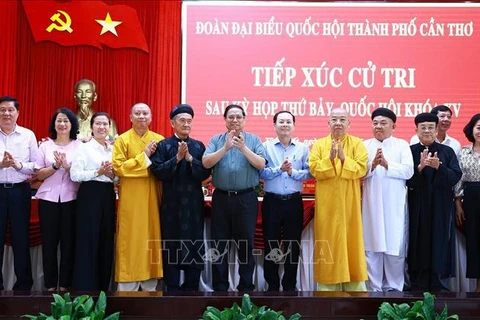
{"x": 421, "y": 309}
{"x": 248, "y": 311}
{"x": 81, "y": 308}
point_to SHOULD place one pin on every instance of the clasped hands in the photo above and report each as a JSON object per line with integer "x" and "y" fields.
{"x": 106, "y": 169}
{"x": 337, "y": 151}
{"x": 9, "y": 161}
{"x": 428, "y": 160}
{"x": 379, "y": 160}
{"x": 60, "y": 160}
{"x": 286, "y": 166}
{"x": 150, "y": 148}
{"x": 183, "y": 153}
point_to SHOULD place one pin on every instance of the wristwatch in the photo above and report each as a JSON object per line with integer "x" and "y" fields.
{"x": 53, "y": 166}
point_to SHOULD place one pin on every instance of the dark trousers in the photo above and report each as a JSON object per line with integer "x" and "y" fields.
{"x": 57, "y": 224}
{"x": 426, "y": 280}
{"x": 471, "y": 207}
{"x": 171, "y": 274}
{"x": 282, "y": 217}
{"x": 15, "y": 208}
{"x": 233, "y": 217}
{"x": 95, "y": 227}
{"x": 181, "y": 255}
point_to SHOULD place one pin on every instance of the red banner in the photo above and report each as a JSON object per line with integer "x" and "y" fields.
{"x": 311, "y": 57}
{"x": 85, "y": 23}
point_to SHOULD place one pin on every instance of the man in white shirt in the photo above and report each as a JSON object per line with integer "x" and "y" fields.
{"x": 444, "y": 115}
{"x": 18, "y": 147}
{"x": 390, "y": 165}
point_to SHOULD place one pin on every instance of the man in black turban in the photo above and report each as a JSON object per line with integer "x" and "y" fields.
{"x": 384, "y": 112}
{"x": 431, "y": 208}
{"x": 181, "y": 108}
{"x": 177, "y": 162}
{"x": 444, "y": 115}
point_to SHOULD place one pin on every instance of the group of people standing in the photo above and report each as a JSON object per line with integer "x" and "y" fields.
{"x": 77, "y": 198}
{"x": 398, "y": 231}
{"x": 158, "y": 229}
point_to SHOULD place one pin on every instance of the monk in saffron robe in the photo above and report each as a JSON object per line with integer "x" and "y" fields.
{"x": 138, "y": 258}
{"x": 338, "y": 162}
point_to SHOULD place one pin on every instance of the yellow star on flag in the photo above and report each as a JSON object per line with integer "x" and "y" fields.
{"x": 109, "y": 25}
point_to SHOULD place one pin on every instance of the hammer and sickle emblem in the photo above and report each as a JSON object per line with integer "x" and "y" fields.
{"x": 62, "y": 24}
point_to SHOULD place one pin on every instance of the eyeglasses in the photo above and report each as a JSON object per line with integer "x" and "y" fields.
{"x": 231, "y": 118}
{"x": 3, "y": 111}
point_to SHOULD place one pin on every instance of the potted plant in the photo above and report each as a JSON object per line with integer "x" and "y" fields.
{"x": 81, "y": 308}
{"x": 421, "y": 309}
{"x": 247, "y": 311}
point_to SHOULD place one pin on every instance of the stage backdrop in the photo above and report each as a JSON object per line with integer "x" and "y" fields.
{"x": 42, "y": 74}
{"x": 311, "y": 57}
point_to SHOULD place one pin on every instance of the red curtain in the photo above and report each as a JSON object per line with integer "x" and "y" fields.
{"x": 42, "y": 75}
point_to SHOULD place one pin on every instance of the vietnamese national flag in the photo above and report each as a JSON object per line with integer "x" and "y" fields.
{"x": 85, "y": 23}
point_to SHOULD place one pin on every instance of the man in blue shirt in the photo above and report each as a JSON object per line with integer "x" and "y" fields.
{"x": 235, "y": 156}
{"x": 282, "y": 210}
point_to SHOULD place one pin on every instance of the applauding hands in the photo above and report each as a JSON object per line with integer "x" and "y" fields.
{"x": 106, "y": 169}
{"x": 60, "y": 160}
{"x": 234, "y": 140}
{"x": 428, "y": 160}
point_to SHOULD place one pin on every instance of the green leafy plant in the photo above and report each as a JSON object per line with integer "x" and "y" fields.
{"x": 421, "y": 309}
{"x": 81, "y": 308}
{"x": 248, "y": 311}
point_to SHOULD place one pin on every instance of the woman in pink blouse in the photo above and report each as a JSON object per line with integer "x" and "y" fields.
{"x": 467, "y": 193}
{"x": 57, "y": 199}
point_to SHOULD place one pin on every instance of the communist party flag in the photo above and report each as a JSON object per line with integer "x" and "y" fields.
{"x": 85, "y": 23}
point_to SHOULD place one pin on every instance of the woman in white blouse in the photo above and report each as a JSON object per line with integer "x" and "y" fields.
{"x": 95, "y": 224}
{"x": 57, "y": 194}
{"x": 467, "y": 193}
